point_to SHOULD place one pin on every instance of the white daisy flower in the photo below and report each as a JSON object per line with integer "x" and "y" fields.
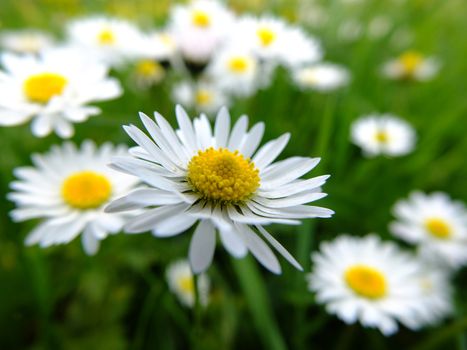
{"x": 202, "y": 175}
{"x": 199, "y": 28}
{"x": 112, "y": 41}
{"x": 322, "y": 77}
{"x": 368, "y": 281}
{"x": 158, "y": 45}
{"x": 434, "y": 222}
{"x": 383, "y": 134}
{"x": 67, "y": 189}
{"x": 148, "y": 72}
{"x": 411, "y": 65}
{"x": 182, "y": 284}
{"x": 30, "y": 41}
{"x": 236, "y": 71}
{"x": 54, "y": 89}
{"x": 202, "y": 96}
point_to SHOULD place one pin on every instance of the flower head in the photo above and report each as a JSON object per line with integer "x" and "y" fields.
{"x": 322, "y": 77}
{"x": 411, "y": 65}
{"x": 29, "y": 41}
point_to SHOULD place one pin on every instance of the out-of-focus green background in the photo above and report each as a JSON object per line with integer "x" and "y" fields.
{"x": 59, "y": 298}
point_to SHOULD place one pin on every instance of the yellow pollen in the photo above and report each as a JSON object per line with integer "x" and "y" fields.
{"x": 43, "y": 86}
{"x": 86, "y": 190}
{"x": 149, "y": 68}
{"x": 238, "y": 64}
{"x": 201, "y": 19}
{"x": 410, "y": 60}
{"x": 438, "y": 228}
{"x": 382, "y": 136}
{"x": 266, "y": 36}
{"x": 106, "y": 37}
{"x": 366, "y": 281}
{"x": 203, "y": 97}
{"x": 222, "y": 175}
{"x": 186, "y": 284}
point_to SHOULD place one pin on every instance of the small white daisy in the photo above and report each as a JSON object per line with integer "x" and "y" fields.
{"x": 368, "y": 281}
{"x": 30, "y": 41}
{"x": 182, "y": 284}
{"x": 205, "y": 175}
{"x": 434, "y": 222}
{"x": 112, "y": 41}
{"x": 54, "y": 89}
{"x": 383, "y": 134}
{"x": 148, "y": 72}
{"x": 202, "y": 96}
{"x": 199, "y": 28}
{"x": 67, "y": 189}
{"x": 411, "y": 65}
{"x": 322, "y": 77}
{"x": 158, "y": 45}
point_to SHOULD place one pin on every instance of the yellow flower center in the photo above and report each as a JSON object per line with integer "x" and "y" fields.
{"x": 186, "y": 284}
{"x": 382, "y": 136}
{"x": 222, "y": 175}
{"x": 411, "y": 60}
{"x": 438, "y": 228}
{"x": 238, "y": 64}
{"x": 266, "y": 36}
{"x": 201, "y": 19}
{"x": 366, "y": 281}
{"x": 203, "y": 97}
{"x": 106, "y": 37}
{"x": 43, "y": 86}
{"x": 86, "y": 190}
{"x": 149, "y": 68}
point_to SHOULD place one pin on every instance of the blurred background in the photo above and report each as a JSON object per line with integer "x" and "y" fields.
{"x": 59, "y": 298}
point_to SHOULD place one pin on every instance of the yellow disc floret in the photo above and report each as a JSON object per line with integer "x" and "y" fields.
{"x": 366, "y": 281}
{"x": 203, "y": 97}
{"x": 86, "y": 190}
{"x": 410, "y": 61}
{"x": 43, "y": 86}
{"x": 186, "y": 284}
{"x": 149, "y": 68}
{"x": 266, "y": 36}
{"x": 382, "y": 136}
{"x": 222, "y": 175}
{"x": 106, "y": 37}
{"x": 438, "y": 228}
{"x": 201, "y": 19}
{"x": 238, "y": 64}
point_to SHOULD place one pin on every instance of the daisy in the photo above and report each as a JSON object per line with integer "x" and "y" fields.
{"x": 148, "y": 72}
{"x": 434, "y": 222}
{"x": 112, "y": 41}
{"x": 236, "y": 71}
{"x": 202, "y": 96}
{"x": 158, "y": 45}
{"x": 322, "y": 77}
{"x": 30, "y": 41}
{"x": 383, "y": 134}
{"x": 206, "y": 176}
{"x": 67, "y": 189}
{"x": 199, "y": 28}
{"x": 411, "y": 65}
{"x": 368, "y": 281}
{"x": 182, "y": 284}
{"x": 54, "y": 89}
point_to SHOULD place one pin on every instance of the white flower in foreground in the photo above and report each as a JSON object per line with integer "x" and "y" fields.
{"x": 112, "y": 41}
{"x": 203, "y": 96}
{"x": 182, "y": 284}
{"x": 322, "y": 77}
{"x": 383, "y": 134}
{"x": 411, "y": 65}
{"x": 199, "y": 28}
{"x": 368, "y": 281}
{"x": 54, "y": 89}
{"x": 30, "y": 41}
{"x": 202, "y": 175}
{"x": 434, "y": 222}
{"x": 67, "y": 189}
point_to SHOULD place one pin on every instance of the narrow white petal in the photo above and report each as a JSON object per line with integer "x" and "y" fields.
{"x": 270, "y": 151}
{"x": 233, "y": 243}
{"x": 222, "y": 127}
{"x": 202, "y": 246}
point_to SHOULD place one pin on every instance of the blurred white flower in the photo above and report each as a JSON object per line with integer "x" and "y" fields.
{"x": 67, "y": 189}
{"x": 199, "y": 28}
{"x": 182, "y": 284}
{"x": 379, "y": 26}
{"x": 350, "y": 30}
{"x": 202, "y": 96}
{"x": 148, "y": 72}
{"x": 369, "y": 281}
{"x": 198, "y": 174}
{"x": 54, "y": 89}
{"x": 411, "y": 65}
{"x": 321, "y": 76}
{"x": 434, "y": 222}
{"x": 383, "y": 134}
{"x": 30, "y": 41}
{"x": 109, "y": 40}
{"x": 158, "y": 45}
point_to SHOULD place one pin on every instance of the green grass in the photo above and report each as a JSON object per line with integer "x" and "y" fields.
{"x": 59, "y": 298}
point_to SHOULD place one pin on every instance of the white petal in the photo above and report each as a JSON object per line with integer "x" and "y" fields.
{"x": 202, "y": 246}
{"x": 252, "y": 140}
{"x": 222, "y": 127}
{"x": 233, "y": 243}
{"x": 238, "y": 133}
{"x": 89, "y": 241}
{"x": 270, "y": 151}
